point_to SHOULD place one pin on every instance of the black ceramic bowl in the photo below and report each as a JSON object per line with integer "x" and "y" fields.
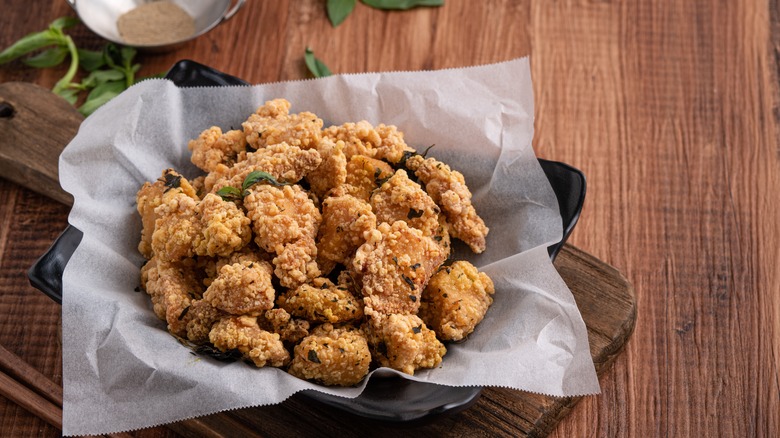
{"x": 386, "y": 398}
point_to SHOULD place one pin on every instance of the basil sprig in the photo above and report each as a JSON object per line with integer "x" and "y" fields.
{"x": 229, "y": 193}
{"x": 111, "y": 70}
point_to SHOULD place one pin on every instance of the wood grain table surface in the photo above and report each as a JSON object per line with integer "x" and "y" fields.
{"x": 669, "y": 107}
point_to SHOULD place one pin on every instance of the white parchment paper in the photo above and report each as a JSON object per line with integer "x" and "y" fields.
{"x": 123, "y": 371}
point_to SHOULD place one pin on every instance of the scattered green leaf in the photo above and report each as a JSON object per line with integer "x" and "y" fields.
{"x": 100, "y": 95}
{"x": 257, "y": 176}
{"x": 48, "y": 58}
{"x": 401, "y": 4}
{"x": 338, "y": 10}
{"x": 312, "y": 356}
{"x": 91, "y": 60}
{"x": 228, "y": 193}
{"x": 316, "y": 67}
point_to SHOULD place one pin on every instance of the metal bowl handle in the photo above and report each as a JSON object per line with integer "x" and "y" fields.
{"x": 228, "y": 15}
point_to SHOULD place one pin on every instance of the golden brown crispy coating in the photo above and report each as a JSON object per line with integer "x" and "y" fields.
{"x": 172, "y": 286}
{"x": 200, "y": 318}
{"x": 242, "y": 333}
{"x": 448, "y": 188}
{"x": 359, "y": 138}
{"x": 284, "y": 162}
{"x": 297, "y": 263}
{"x": 322, "y": 301}
{"x": 332, "y": 356}
{"x": 345, "y": 222}
{"x": 364, "y": 175}
{"x": 455, "y": 300}
{"x": 332, "y": 172}
{"x": 242, "y": 288}
{"x": 281, "y": 216}
{"x": 212, "y": 147}
{"x": 403, "y": 342}
{"x": 289, "y": 329}
{"x": 150, "y": 197}
{"x": 272, "y": 124}
{"x": 224, "y": 227}
{"x": 177, "y": 226}
{"x": 395, "y": 265}
{"x": 392, "y": 146}
{"x": 401, "y": 199}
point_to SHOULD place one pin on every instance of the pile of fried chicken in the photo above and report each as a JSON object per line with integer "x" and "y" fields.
{"x": 321, "y": 251}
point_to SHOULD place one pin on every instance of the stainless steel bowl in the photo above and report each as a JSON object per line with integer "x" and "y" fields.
{"x": 101, "y": 17}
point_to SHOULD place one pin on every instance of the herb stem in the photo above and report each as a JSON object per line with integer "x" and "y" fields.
{"x": 74, "y": 65}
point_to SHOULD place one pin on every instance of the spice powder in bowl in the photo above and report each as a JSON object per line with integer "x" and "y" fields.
{"x": 155, "y": 23}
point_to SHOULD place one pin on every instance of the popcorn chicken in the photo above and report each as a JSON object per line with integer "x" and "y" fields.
{"x": 332, "y": 171}
{"x": 150, "y": 196}
{"x": 448, "y": 189}
{"x": 272, "y": 124}
{"x": 395, "y": 265}
{"x": 455, "y": 300}
{"x": 392, "y": 146}
{"x": 359, "y": 138}
{"x": 403, "y": 342}
{"x": 289, "y": 329}
{"x": 224, "y": 227}
{"x": 212, "y": 148}
{"x": 345, "y": 222}
{"x": 401, "y": 199}
{"x": 322, "y": 301}
{"x": 242, "y": 288}
{"x": 281, "y": 216}
{"x": 243, "y": 334}
{"x": 364, "y": 175}
{"x": 200, "y": 318}
{"x": 332, "y": 356}
{"x": 171, "y": 286}
{"x": 297, "y": 263}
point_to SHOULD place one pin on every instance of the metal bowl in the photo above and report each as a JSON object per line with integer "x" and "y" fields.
{"x": 101, "y": 17}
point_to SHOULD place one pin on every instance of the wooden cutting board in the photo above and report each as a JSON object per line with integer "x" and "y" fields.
{"x": 38, "y": 124}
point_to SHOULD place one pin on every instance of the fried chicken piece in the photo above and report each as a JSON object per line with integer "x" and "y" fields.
{"x": 359, "y": 138}
{"x": 200, "y": 318}
{"x": 224, "y": 227}
{"x": 332, "y": 356}
{"x": 442, "y": 236}
{"x": 332, "y": 172}
{"x": 321, "y": 301}
{"x": 395, "y": 264}
{"x": 172, "y": 286}
{"x": 297, "y": 263}
{"x": 150, "y": 196}
{"x": 286, "y": 163}
{"x": 364, "y": 175}
{"x": 272, "y": 124}
{"x": 212, "y": 147}
{"x": 345, "y": 222}
{"x": 242, "y": 333}
{"x": 281, "y": 216}
{"x": 401, "y": 199}
{"x": 403, "y": 342}
{"x": 448, "y": 189}
{"x": 242, "y": 288}
{"x": 249, "y": 253}
{"x": 289, "y": 329}
{"x": 177, "y": 228}
{"x": 456, "y": 300}
{"x": 392, "y": 147}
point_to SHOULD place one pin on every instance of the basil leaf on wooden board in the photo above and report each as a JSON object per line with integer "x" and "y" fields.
{"x": 401, "y": 4}
{"x": 316, "y": 67}
{"x": 338, "y": 10}
{"x": 30, "y": 43}
{"x": 100, "y": 95}
{"x": 91, "y": 60}
{"x": 48, "y": 58}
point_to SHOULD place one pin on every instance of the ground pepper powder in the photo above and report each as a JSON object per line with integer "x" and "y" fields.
{"x": 155, "y": 23}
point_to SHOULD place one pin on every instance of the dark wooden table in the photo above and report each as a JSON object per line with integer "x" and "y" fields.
{"x": 670, "y": 109}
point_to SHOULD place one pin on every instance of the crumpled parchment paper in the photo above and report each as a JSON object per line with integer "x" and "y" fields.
{"x": 121, "y": 368}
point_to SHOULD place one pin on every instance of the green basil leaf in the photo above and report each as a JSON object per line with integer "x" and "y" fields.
{"x": 48, "y": 58}
{"x": 112, "y": 56}
{"x": 100, "y": 95}
{"x": 257, "y": 176}
{"x": 127, "y": 54}
{"x": 316, "y": 67}
{"x": 91, "y": 60}
{"x": 29, "y": 43}
{"x": 401, "y": 4}
{"x": 229, "y": 193}
{"x": 338, "y": 10}
{"x": 70, "y": 95}
{"x": 64, "y": 23}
